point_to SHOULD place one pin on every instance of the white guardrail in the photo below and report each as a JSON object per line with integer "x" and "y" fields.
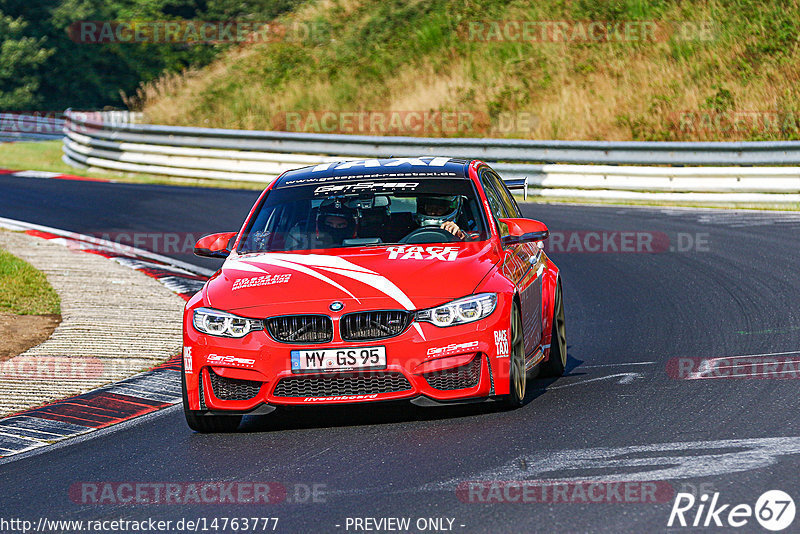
{"x": 731, "y": 172}
{"x": 25, "y": 127}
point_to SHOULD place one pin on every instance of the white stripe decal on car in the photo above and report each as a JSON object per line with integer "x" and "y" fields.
{"x": 303, "y": 269}
{"x": 334, "y": 265}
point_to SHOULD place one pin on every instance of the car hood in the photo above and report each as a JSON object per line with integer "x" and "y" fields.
{"x": 395, "y": 277}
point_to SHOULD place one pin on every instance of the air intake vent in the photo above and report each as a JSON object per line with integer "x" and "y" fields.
{"x": 301, "y": 328}
{"x": 371, "y": 325}
{"x": 463, "y": 377}
{"x": 233, "y": 389}
{"x": 338, "y": 385}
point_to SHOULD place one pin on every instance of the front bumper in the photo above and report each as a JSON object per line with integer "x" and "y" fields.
{"x": 424, "y": 362}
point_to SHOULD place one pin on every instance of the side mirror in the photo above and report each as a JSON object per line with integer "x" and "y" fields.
{"x": 524, "y": 231}
{"x": 215, "y": 245}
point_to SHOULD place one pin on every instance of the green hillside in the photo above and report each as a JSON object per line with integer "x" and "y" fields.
{"x": 586, "y": 69}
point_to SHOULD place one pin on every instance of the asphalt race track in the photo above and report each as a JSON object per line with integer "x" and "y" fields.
{"x": 624, "y": 413}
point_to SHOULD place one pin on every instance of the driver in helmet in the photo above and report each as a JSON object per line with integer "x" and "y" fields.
{"x": 441, "y": 212}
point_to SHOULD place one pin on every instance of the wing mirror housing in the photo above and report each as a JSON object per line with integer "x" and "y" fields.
{"x": 215, "y": 245}
{"x": 524, "y": 231}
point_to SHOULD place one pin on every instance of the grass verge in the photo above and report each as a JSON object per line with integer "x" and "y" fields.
{"x": 24, "y": 290}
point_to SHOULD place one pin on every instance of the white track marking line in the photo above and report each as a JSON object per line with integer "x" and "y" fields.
{"x": 671, "y": 461}
{"x": 702, "y": 377}
{"x": 753, "y": 355}
{"x": 748, "y": 364}
{"x": 624, "y": 378}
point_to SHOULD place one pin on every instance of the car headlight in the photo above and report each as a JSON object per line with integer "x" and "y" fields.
{"x": 460, "y": 311}
{"x": 224, "y": 324}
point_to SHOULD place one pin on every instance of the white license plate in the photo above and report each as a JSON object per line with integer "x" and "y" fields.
{"x": 343, "y": 359}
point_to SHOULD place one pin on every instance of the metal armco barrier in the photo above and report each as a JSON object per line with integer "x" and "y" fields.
{"x": 21, "y": 127}
{"x": 739, "y": 172}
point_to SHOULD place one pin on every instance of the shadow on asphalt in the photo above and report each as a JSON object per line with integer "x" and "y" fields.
{"x": 305, "y": 417}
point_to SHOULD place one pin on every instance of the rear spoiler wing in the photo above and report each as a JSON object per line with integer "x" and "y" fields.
{"x": 516, "y": 184}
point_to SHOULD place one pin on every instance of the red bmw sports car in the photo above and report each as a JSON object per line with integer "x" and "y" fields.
{"x": 373, "y": 280}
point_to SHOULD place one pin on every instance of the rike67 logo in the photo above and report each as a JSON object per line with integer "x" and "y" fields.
{"x": 774, "y": 510}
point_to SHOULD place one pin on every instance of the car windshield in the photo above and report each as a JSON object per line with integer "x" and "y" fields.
{"x": 364, "y": 213}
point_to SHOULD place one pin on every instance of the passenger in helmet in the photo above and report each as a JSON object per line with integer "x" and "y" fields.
{"x": 335, "y": 223}
{"x": 440, "y": 211}
{"x": 332, "y": 223}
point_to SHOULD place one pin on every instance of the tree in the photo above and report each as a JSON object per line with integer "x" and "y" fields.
{"x": 21, "y": 59}
{"x": 94, "y": 75}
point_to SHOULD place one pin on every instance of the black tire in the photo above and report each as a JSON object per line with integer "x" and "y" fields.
{"x": 518, "y": 378}
{"x": 554, "y": 366}
{"x": 206, "y": 424}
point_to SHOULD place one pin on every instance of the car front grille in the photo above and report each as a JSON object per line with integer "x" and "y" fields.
{"x": 233, "y": 389}
{"x": 371, "y": 325}
{"x": 462, "y": 377}
{"x": 301, "y": 328}
{"x": 338, "y": 385}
